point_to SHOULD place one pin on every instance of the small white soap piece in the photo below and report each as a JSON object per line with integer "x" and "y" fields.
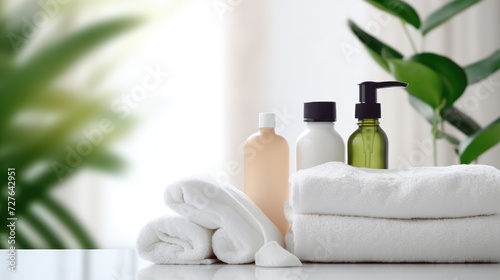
{"x": 273, "y": 255}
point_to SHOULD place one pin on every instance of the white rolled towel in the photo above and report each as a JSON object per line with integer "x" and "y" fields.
{"x": 175, "y": 240}
{"x": 241, "y": 228}
{"x": 335, "y": 188}
{"x": 329, "y": 238}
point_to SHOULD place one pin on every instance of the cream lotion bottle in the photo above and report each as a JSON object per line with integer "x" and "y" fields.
{"x": 266, "y": 170}
{"x": 320, "y": 142}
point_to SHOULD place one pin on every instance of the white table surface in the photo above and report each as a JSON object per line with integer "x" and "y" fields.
{"x": 124, "y": 265}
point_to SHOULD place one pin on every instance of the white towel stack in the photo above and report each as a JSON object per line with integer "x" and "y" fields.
{"x": 427, "y": 214}
{"x": 215, "y": 219}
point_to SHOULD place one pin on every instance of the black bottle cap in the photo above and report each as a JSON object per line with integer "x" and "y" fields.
{"x": 368, "y": 108}
{"x": 320, "y": 111}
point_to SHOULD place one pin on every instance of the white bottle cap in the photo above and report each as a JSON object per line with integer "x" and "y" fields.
{"x": 267, "y": 120}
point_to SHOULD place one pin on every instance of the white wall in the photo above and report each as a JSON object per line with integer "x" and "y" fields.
{"x": 295, "y": 57}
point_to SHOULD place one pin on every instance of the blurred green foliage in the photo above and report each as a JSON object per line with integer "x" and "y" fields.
{"x": 436, "y": 81}
{"x": 41, "y": 121}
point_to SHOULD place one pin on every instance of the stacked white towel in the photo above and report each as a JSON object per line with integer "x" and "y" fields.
{"x": 217, "y": 219}
{"x": 426, "y": 214}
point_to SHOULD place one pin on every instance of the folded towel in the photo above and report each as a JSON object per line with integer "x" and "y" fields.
{"x": 421, "y": 192}
{"x": 175, "y": 240}
{"x": 241, "y": 228}
{"x": 328, "y": 238}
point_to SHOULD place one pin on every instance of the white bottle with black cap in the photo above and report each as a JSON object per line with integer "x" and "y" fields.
{"x": 320, "y": 142}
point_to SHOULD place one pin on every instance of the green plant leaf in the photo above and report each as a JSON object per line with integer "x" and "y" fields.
{"x": 460, "y": 120}
{"x": 32, "y": 191}
{"x": 445, "y": 13}
{"x": 452, "y": 75}
{"x": 452, "y": 115}
{"x": 69, "y": 221}
{"x": 478, "y": 143}
{"x": 378, "y": 59}
{"x": 423, "y": 82}
{"x": 22, "y": 242}
{"x": 399, "y": 9}
{"x": 43, "y": 230}
{"x": 6, "y": 65}
{"x": 63, "y": 100}
{"x": 450, "y": 138}
{"x": 37, "y": 187}
{"x": 105, "y": 161}
{"x": 56, "y": 137}
{"x": 482, "y": 69}
{"x": 377, "y": 49}
{"x": 14, "y": 25}
{"x": 422, "y": 107}
{"x": 49, "y": 63}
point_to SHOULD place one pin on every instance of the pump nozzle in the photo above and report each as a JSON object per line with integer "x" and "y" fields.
{"x": 368, "y": 108}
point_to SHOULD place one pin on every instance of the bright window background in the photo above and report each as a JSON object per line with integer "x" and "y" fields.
{"x": 177, "y": 128}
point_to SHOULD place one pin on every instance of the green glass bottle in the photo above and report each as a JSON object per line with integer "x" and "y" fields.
{"x": 368, "y": 145}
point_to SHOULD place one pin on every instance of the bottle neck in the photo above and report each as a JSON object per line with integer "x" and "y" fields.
{"x": 266, "y": 130}
{"x": 368, "y": 122}
{"x": 319, "y": 125}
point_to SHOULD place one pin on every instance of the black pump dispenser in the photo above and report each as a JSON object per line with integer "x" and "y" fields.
{"x": 368, "y": 108}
